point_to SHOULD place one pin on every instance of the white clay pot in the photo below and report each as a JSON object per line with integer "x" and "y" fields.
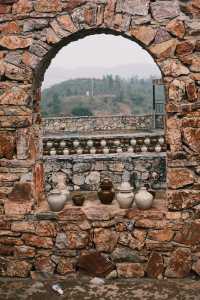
{"x": 79, "y": 151}
{"x": 56, "y": 201}
{"x": 92, "y": 150}
{"x": 49, "y": 144}
{"x": 147, "y": 141}
{"x": 90, "y": 143}
{"x": 116, "y": 142}
{"x": 133, "y": 142}
{"x": 76, "y": 143}
{"x": 66, "y": 151}
{"x": 62, "y": 144}
{"x": 158, "y": 148}
{"x": 130, "y": 150}
{"x": 125, "y": 195}
{"x": 53, "y": 152}
{"x": 119, "y": 150}
{"x": 143, "y": 199}
{"x": 106, "y": 150}
{"x": 161, "y": 140}
{"x": 144, "y": 148}
{"x": 103, "y": 143}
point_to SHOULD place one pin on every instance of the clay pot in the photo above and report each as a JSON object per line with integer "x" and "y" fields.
{"x": 56, "y": 201}
{"x": 143, "y": 199}
{"x": 106, "y": 192}
{"x": 125, "y": 195}
{"x": 78, "y": 199}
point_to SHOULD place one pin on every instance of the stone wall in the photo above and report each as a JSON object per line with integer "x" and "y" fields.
{"x": 31, "y": 33}
{"x": 91, "y": 124}
{"x": 85, "y": 173}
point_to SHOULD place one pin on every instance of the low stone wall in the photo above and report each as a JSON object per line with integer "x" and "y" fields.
{"x": 90, "y": 124}
{"x": 158, "y": 243}
{"x": 85, "y": 172}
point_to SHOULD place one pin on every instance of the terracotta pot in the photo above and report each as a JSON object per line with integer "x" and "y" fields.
{"x": 78, "y": 199}
{"x": 143, "y": 199}
{"x": 56, "y": 201}
{"x": 106, "y": 192}
{"x": 125, "y": 195}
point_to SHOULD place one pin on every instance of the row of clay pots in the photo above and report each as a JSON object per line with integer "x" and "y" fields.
{"x": 125, "y": 195}
{"x": 103, "y": 143}
{"x": 106, "y": 150}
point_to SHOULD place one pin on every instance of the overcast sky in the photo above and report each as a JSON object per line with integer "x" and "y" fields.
{"x": 105, "y": 51}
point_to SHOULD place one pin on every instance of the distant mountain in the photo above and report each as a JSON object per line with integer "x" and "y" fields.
{"x": 56, "y": 75}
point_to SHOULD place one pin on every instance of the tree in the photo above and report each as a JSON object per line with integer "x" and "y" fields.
{"x": 79, "y": 111}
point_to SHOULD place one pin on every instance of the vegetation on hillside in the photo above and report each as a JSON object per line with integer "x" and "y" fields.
{"x": 109, "y": 95}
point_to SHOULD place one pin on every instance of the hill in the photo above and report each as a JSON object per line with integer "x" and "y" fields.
{"x": 108, "y": 95}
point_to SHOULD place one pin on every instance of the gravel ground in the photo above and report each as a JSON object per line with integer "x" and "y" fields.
{"x": 80, "y": 288}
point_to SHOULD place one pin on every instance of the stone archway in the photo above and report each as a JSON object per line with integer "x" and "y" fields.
{"x": 32, "y": 32}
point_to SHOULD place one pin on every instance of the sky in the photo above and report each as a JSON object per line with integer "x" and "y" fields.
{"x": 94, "y": 53}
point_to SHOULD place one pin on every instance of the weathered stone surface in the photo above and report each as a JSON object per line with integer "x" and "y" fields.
{"x": 164, "y": 10}
{"x": 125, "y": 254}
{"x": 77, "y": 239}
{"x": 173, "y": 68}
{"x": 22, "y": 7}
{"x": 23, "y": 226}
{"x": 97, "y": 213}
{"x": 164, "y": 235}
{"x": 7, "y": 145}
{"x": 5, "y": 9}
{"x": 61, "y": 241}
{"x": 195, "y": 67}
{"x": 190, "y": 235}
{"x": 72, "y": 214}
{"x": 183, "y": 199}
{"x": 192, "y": 138}
{"x": 185, "y": 48}
{"x": 66, "y": 23}
{"x": 44, "y": 264}
{"x": 105, "y": 239}
{"x": 173, "y": 134}
{"x": 179, "y": 178}
{"x": 71, "y": 5}
{"x": 15, "y": 42}
{"x": 45, "y": 228}
{"x": 180, "y": 264}
{"x": 176, "y": 27}
{"x": 11, "y": 27}
{"x": 65, "y": 266}
{"x": 6, "y": 250}
{"x": 196, "y": 267}
{"x": 37, "y": 241}
{"x": 130, "y": 270}
{"x": 164, "y": 50}
{"x": 22, "y": 73}
{"x": 162, "y": 35}
{"x": 48, "y": 6}
{"x": 24, "y": 252}
{"x": 21, "y": 192}
{"x": 17, "y": 208}
{"x": 149, "y": 223}
{"x": 93, "y": 178}
{"x": 30, "y": 59}
{"x": 155, "y": 266}
{"x": 133, "y": 7}
{"x": 18, "y": 268}
{"x": 144, "y": 34}
{"x": 15, "y": 96}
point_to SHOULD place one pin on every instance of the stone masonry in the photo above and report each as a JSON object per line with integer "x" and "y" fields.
{"x": 163, "y": 242}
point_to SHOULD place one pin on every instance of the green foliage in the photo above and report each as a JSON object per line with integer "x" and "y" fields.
{"x": 70, "y": 97}
{"x": 81, "y": 111}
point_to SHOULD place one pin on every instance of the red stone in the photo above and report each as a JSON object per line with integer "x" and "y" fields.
{"x": 105, "y": 239}
{"x": 37, "y": 241}
{"x": 155, "y": 266}
{"x": 190, "y": 235}
{"x": 6, "y": 250}
{"x": 176, "y": 27}
{"x": 180, "y": 264}
{"x": 10, "y": 241}
{"x": 185, "y": 48}
{"x": 130, "y": 270}
{"x": 46, "y": 228}
{"x": 66, "y": 22}
{"x": 71, "y": 5}
{"x": 179, "y": 177}
{"x": 7, "y": 145}
{"x": 23, "y": 226}
{"x": 65, "y": 266}
{"x": 17, "y": 208}
{"x": 48, "y": 6}
{"x": 192, "y": 138}
{"x": 5, "y": 9}
{"x": 21, "y": 192}
{"x": 13, "y": 42}
{"x": 183, "y": 199}
{"x": 24, "y": 252}
{"x": 44, "y": 264}
{"x": 22, "y": 7}
{"x": 191, "y": 92}
{"x": 164, "y": 235}
{"x": 144, "y": 34}
{"x": 18, "y": 268}
{"x": 11, "y": 27}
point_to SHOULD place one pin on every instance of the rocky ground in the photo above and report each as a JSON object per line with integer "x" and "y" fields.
{"x": 81, "y": 289}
